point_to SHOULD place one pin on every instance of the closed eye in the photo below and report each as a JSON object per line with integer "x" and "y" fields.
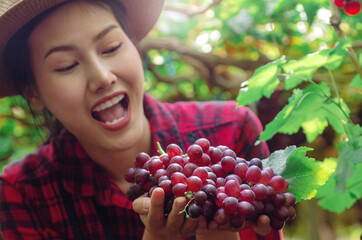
{"x": 68, "y": 68}
{"x": 113, "y": 49}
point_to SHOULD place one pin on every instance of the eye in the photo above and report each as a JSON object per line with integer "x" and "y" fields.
{"x": 113, "y": 49}
{"x": 68, "y": 68}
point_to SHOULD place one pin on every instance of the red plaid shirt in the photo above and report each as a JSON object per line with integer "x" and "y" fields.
{"x": 60, "y": 193}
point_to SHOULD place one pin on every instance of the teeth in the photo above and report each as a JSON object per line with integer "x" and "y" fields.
{"x": 117, "y": 120}
{"x": 109, "y": 103}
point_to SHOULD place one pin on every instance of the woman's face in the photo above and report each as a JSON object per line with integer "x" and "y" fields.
{"x": 89, "y": 75}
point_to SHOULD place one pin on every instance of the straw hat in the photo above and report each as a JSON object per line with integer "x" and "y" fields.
{"x": 141, "y": 15}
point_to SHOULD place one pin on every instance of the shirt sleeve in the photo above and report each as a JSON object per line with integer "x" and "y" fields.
{"x": 17, "y": 220}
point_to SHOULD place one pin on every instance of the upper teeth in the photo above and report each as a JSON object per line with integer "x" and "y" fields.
{"x": 109, "y": 103}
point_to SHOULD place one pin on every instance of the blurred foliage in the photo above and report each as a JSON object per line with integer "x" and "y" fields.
{"x": 205, "y": 49}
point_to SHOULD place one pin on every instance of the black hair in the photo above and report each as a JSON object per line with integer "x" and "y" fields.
{"x": 17, "y": 63}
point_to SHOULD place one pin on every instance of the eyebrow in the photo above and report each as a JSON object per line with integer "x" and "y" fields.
{"x": 72, "y": 48}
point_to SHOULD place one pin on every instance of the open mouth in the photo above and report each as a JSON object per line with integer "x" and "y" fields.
{"x": 112, "y": 111}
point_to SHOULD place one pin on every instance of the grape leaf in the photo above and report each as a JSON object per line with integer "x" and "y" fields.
{"x": 263, "y": 83}
{"x": 303, "y": 69}
{"x": 303, "y": 174}
{"x": 350, "y": 153}
{"x": 357, "y": 81}
{"x": 338, "y": 201}
{"x": 303, "y": 106}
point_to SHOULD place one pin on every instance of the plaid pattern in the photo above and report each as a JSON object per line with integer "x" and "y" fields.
{"x": 31, "y": 203}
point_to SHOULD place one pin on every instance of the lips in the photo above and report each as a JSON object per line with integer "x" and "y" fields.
{"x": 111, "y": 110}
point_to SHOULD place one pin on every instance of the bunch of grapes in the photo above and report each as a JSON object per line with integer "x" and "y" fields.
{"x": 350, "y": 7}
{"x": 217, "y": 184}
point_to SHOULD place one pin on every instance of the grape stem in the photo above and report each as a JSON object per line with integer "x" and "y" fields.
{"x": 159, "y": 149}
{"x": 191, "y": 197}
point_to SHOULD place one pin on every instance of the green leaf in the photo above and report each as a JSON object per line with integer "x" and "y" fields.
{"x": 303, "y": 174}
{"x": 356, "y": 81}
{"x": 350, "y": 153}
{"x": 311, "y": 11}
{"x": 263, "y": 83}
{"x": 340, "y": 201}
{"x": 304, "y": 108}
{"x": 304, "y": 68}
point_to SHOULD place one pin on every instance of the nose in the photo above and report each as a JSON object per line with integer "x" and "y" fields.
{"x": 100, "y": 76}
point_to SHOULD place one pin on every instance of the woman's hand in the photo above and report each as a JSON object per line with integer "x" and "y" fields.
{"x": 261, "y": 226}
{"x": 175, "y": 226}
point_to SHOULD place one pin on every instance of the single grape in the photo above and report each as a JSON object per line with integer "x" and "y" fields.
{"x": 204, "y": 144}
{"x": 290, "y": 199}
{"x": 282, "y": 213}
{"x": 247, "y": 195}
{"x": 179, "y": 189}
{"x": 194, "y": 210}
{"x": 256, "y": 162}
{"x": 220, "y": 198}
{"x": 141, "y": 159}
{"x": 279, "y": 200}
{"x": 194, "y": 183}
{"x": 218, "y": 170}
{"x": 240, "y": 170}
{"x": 339, "y": 3}
{"x": 277, "y": 183}
{"x": 228, "y": 163}
{"x": 194, "y": 152}
{"x": 230, "y": 205}
{"x": 159, "y": 173}
{"x": 204, "y": 160}
{"x": 265, "y": 177}
{"x": 236, "y": 221}
{"x": 189, "y": 169}
{"x": 292, "y": 213}
{"x": 233, "y": 177}
{"x": 200, "y": 197}
{"x": 154, "y": 165}
{"x": 232, "y": 188}
{"x": 215, "y": 155}
{"x": 141, "y": 176}
{"x": 162, "y": 178}
{"x": 221, "y": 217}
{"x": 253, "y": 174}
{"x": 166, "y": 185}
{"x": 230, "y": 153}
{"x": 276, "y": 224}
{"x": 245, "y": 209}
{"x": 129, "y": 175}
{"x": 260, "y": 191}
{"x": 172, "y": 168}
{"x": 173, "y": 150}
{"x": 135, "y": 191}
{"x": 178, "y": 159}
{"x": 352, "y": 7}
{"x": 165, "y": 160}
{"x": 201, "y": 172}
{"x": 212, "y": 176}
{"x": 208, "y": 209}
{"x": 178, "y": 177}
{"x": 220, "y": 182}
{"x": 269, "y": 208}
{"x": 210, "y": 191}
{"x": 209, "y": 181}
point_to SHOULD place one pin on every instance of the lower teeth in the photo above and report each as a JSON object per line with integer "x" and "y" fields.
{"x": 116, "y": 120}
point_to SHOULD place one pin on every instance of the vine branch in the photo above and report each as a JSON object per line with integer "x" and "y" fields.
{"x": 335, "y": 21}
{"x": 192, "y": 10}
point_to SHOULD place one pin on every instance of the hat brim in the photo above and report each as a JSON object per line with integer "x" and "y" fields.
{"x": 141, "y": 16}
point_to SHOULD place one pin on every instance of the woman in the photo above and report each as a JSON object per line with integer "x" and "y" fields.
{"x": 77, "y": 61}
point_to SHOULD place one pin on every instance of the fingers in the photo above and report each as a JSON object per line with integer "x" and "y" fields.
{"x": 156, "y": 215}
{"x": 142, "y": 205}
{"x": 262, "y": 226}
{"x": 175, "y": 220}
